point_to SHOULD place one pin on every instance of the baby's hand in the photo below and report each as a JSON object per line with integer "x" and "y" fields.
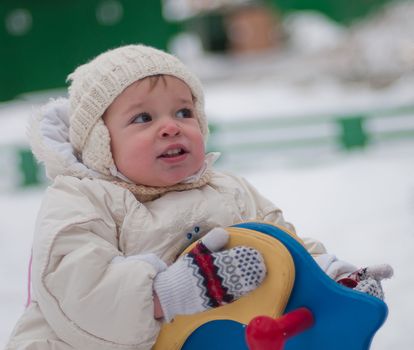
{"x": 368, "y": 279}
{"x": 206, "y": 278}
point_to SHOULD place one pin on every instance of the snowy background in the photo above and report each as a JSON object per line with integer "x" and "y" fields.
{"x": 359, "y": 203}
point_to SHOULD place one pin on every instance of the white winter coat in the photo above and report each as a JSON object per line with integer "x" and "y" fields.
{"x": 97, "y": 250}
{"x": 84, "y": 300}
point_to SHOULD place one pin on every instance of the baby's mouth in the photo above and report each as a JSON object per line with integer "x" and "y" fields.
{"x": 171, "y": 153}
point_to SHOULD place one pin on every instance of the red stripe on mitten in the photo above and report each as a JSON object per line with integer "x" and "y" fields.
{"x": 203, "y": 279}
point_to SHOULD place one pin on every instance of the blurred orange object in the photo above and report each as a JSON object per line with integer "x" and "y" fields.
{"x": 252, "y": 29}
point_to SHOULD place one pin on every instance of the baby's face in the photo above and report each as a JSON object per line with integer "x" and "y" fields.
{"x": 155, "y": 137}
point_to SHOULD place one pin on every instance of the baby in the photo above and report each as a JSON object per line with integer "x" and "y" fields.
{"x": 132, "y": 187}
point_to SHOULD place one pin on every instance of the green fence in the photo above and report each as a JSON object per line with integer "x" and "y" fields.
{"x": 19, "y": 168}
{"x": 340, "y": 133}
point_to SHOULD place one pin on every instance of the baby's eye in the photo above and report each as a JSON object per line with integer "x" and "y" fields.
{"x": 184, "y": 113}
{"x": 142, "y": 118}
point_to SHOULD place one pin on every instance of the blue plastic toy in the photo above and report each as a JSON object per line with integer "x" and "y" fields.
{"x": 320, "y": 315}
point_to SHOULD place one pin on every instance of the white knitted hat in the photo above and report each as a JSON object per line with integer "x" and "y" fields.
{"x": 96, "y": 84}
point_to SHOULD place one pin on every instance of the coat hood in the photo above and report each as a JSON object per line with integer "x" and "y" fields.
{"x": 48, "y": 134}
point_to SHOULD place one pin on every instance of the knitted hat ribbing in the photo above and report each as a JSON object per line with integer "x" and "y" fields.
{"x": 96, "y": 84}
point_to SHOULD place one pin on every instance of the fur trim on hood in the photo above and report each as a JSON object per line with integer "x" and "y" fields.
{"x": 48, "y": 134}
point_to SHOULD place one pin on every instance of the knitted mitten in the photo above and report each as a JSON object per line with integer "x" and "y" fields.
{"x": 368, "y": 279}
{"x": 204, "y": 278}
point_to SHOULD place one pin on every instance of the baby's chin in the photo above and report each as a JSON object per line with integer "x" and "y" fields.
{"x": 171, "y": 181}
{"x": 167, "y": 178}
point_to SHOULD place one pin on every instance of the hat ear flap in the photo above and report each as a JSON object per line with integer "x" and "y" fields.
{"x": 96, "y": 153}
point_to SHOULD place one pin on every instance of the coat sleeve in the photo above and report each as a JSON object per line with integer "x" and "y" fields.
{"x": 90, "y": 302}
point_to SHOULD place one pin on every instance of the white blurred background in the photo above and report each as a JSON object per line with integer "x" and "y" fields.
{"x": 318, "y": 115}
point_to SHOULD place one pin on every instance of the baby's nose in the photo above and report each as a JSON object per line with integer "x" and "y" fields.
{"x": 169, "y": 128}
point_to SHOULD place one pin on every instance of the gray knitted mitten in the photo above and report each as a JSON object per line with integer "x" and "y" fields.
{"x": 205, "y": 278}
{"x": 368, "y": 279}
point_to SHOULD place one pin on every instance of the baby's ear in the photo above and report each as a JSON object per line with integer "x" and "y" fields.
{"x": 216, "y": 239}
